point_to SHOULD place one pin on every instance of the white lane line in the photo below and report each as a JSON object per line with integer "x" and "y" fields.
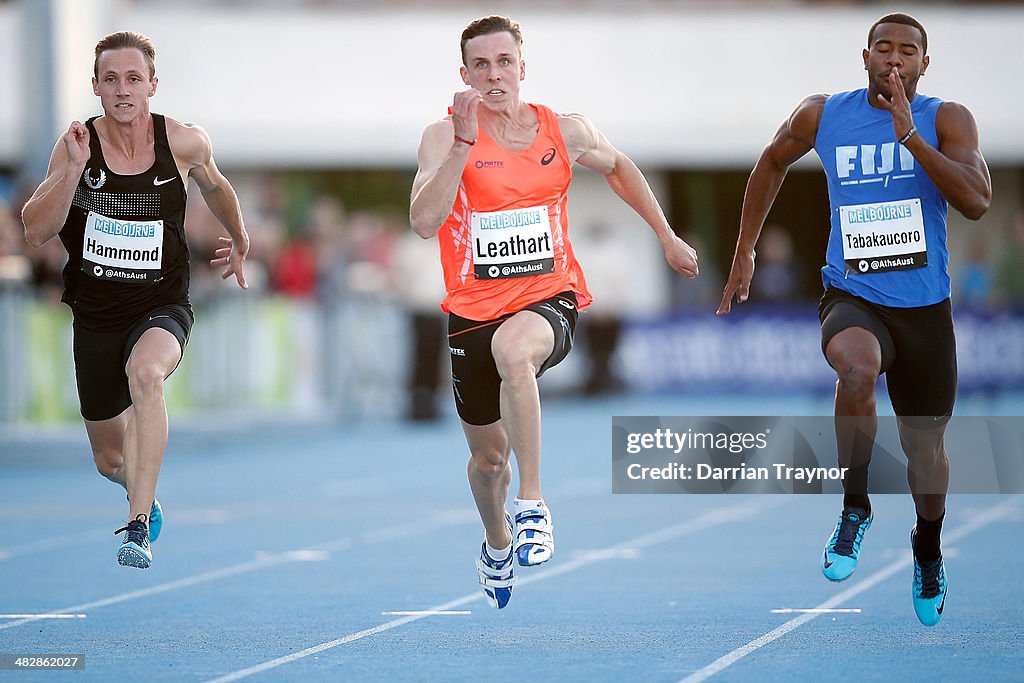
{"x": 311, "y": 555}
{"x": 52, "y": 543}
{"x": 319, "y": 552}
{"x": 817, "y": 610}
{"x": 261, "y": 561}
{"x": 42, "y": 616}
{"x": 202, "y": 516}
{"x": 985, "y": 518}
{"x": 234, "y": 570}
{"x": 582, "y": 487}
{"x": 706, "y": 521}
{"x": 428, "y": 613}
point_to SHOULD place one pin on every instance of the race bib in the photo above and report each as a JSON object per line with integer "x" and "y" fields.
{"x": 122, "y": 251}
{"x": 882, "y": 237}
{"x": 514, "y": 243}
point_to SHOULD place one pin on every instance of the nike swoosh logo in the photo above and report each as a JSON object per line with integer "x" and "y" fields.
{"x": 942, "y": 604}
{"x": 827, "y": 563}
{"x": 157, "y": 181}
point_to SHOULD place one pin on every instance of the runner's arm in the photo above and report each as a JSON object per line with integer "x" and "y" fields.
{"x": 46, "y": 211}
{"x": 441, "y": 161}
{"x": 957, "y": 167}
{"x": 590, "y": 148}
{"x": 794, "y": 138}
{"x": 191, "y": 144}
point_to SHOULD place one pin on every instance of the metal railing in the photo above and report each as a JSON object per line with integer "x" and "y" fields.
{"x": 345, "y": 357}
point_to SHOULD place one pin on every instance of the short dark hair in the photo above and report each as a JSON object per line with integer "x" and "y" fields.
{"x": 122, "y": 40}
{"x": 487, "y": 25}
{"x": 900, "y": 18}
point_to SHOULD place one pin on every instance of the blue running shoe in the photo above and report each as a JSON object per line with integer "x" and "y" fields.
{"x": 929, "y": 588}
{"x": 156, "y": 520}
{"x": 496, "y": 576}
{"x": 534, "y": 536}
{"x": 134, "y": 550}
{"x": 840, "y": 556}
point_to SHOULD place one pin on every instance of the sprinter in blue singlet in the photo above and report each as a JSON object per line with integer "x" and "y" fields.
{"x": 895, "y": 160}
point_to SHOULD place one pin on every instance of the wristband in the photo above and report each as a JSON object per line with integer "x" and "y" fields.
{"x": 468, "y": 142}
{"x": 910, "y": 134}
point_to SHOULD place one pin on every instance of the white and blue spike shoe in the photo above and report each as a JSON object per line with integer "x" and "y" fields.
{"x": 534, "y": 536}
{"x": 497, "y": 578}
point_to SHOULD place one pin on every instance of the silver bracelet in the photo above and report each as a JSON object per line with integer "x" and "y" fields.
{"x": 910, "y": 134}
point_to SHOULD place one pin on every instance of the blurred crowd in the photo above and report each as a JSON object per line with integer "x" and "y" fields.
{"x": 987, "y": 277}
{"x": 315, "y": 249}
{"x": 308, "y": 248}
{"x": 316, "y": 252}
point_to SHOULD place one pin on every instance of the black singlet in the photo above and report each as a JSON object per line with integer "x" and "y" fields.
{"x": 125, "y": 238}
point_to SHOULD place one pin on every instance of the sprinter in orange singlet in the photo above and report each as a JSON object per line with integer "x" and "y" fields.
{"x": 491, "y": 185}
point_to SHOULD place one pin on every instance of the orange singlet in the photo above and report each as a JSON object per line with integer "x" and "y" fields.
{"x": 505, "y": 245}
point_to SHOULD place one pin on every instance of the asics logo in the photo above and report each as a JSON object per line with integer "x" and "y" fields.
{"x": 157, "y": 181}
{"x": 548, "y": 158}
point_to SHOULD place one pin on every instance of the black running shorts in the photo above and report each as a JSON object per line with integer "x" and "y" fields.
{"x": 475, "y": 378}
{"x": 918, "y": 350}
{"x": 101, "y": 357}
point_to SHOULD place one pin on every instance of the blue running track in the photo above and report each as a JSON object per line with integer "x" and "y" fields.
{"x": 345, "y": 552}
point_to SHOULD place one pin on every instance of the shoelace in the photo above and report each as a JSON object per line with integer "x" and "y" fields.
{"x": 847, "y": 533}
{"x": 930, "y": 578}
{"x": 136, "y": 529}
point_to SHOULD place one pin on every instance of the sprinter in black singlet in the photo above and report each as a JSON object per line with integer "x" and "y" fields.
{"x": 115, "y": 193}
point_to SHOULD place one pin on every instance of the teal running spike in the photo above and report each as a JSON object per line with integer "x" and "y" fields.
{"x": 134, "y": 550}
{"x": 156, "y": 520}
{"x": 842, "y": 550}
{"x": 929, "y": 590}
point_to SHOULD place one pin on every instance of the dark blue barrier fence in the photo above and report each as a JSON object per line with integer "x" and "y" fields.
{"x": 779, "y": 349}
